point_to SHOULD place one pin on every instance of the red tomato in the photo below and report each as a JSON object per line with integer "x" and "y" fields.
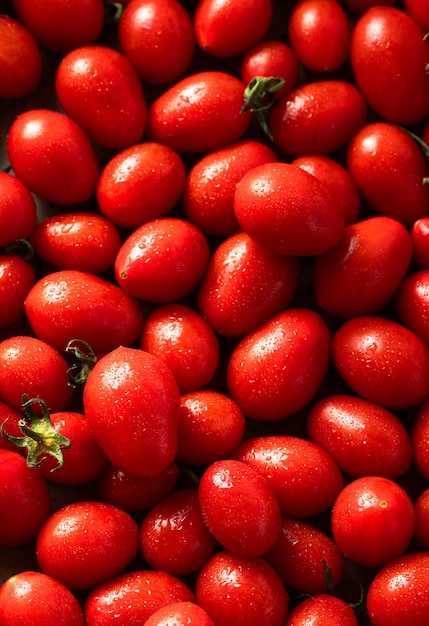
{"x": 208, "y": 197}
{"x": 17, "y": 277}
{"x": 100, "y": 90}
{"x": 140, "y": 183}
{"x": 176, "y": 548}
{"x": 180, "y": 613}
{"x": 85, "y": 543}
{"x": 226, "y": 30}
{"x": 133, "y": 597}
{"x": 420, "y": 440}
{"x": 412, "y": 303}
{"x": 363, "y": 438}
{"x": 288, "y": 210}
{"x": 70, "y": 173}
{"x": 241, "y": 591}
{"x": 319, "y": 32}
{"x": 399, "y": 593}
{"x": 199, "y": 113}
{"x": 318, "y": 117}
{"x": 277, "y": 369}
{"x": 35, "y": 599}
{"x": 157, "y": 37}
{"x": 62, "y": 26}
{"x": 163, "y": 260}
{"x": 420, "y": 239}
{"x": 419, "y": 11}
{"x": 372, "y": 521}
{"x": 211, "y": 426}
{"x": 322, "y": 609}
{"x": 304, "y": 478}
{"x": 20, "y": 60}
{"x": 81, "y": 241}
{"x": 421, "y": 511}
{"x": 389, "y": 38}
{"x": 69, "y": 304}
{"x": 271, "y": 58}
{"x": 25, "y": 501}
{"x": 363, "y": 271}
{"x": 374, "y": 155}
{"x": 9, "y": 419}
{"x": 239, "y": 508}
{"x": 301, "y": 555}
{"x": 186, "y": 343}
{"x": 131, "y": 402}
{"x": 18, "y": 210}
{"x": 245, "y": 284}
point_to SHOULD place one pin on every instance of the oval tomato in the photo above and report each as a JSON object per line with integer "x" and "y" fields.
{"x": 412, "y": 303}
{"x": 322, "y": 609}
{"x": 17, "y": 277}
{"x": 420, "y": 239}
{"x": 420, "y": 440}
{"x": 20, "y": 60}
{"x": 418, "y": 10}
{"x": 180, "y": 613}
{"x": 18, "y": 210}
{"x": 421, "y": 511}
{"x": 271, "y": 58}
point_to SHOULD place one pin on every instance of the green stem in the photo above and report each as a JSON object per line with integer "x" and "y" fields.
{"x": 85, "y": 360}
{"x": 259, "y": 97}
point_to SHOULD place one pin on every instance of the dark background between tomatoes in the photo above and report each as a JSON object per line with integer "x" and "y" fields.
{"x": 356, "y": 578}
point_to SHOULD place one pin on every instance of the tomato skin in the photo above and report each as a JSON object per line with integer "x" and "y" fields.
{"x": 421, "y": 511}
{"x": 420, "y": 440}
{"x": 163, "y": 260}
{"x": 304, "y": 478}
{"x": 208, "y": 195}
{"x": 389, "y": 38}
{"x": 20, "y": 60}
{"x": 135, "y": 425}
{"x": 319, "y": 32}
{"x": 23, "y": 592}
{"x": 70, "y": 173}
{"x": 25, "y": 501}
{"x": 319, "y": 117}
{"x": 236, "y": 590}
{"x": 372, "y": 521}
{"x": 364, "y": 270}
{"x": 81, "y": 241}
{"x": 69, "y": 304}
{"x": 398, "y": 594}
{"x": 199, "y": 113}
{"x": 363, "y": 438}
{"x": 288, "y": 210}
{"x": 99, "y": 89}
{"x": 180, "y": 613}
{"x": 17, "y": 277}
{"x": 245, "y": 284}
{"x": 373, "y": 156}
{"x": 418, "y": 10}
{"x": 382, "y": 361}
{"x": 10, "y": 417}
{"x": 85, "y": 543}
{"x": 158, "y": 38}
{"x": 226, "y": 30}
{"x": 322, "y": 609}
{"x": 420, "y": 239}
{"x": 18, "y": 211}
{"x": 140, "y": 183}
{"x": 271, "y": 58}
{"x": 412, "y": 303}
{"x": 276, "y": 370}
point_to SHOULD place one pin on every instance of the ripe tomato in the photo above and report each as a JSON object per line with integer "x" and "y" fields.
{"x": 199, "y": 113}
{"x": 140, "y": 183}
{"x": 69, "y": 304}
{"x": 421, "y": 511}
{"x": 9, "y": 420}
{"x": 225, "y": 30}
{"x": 271, "y": 58}
{"x": 17, "y": 277}
{"x": 131, "y": 402}
{"x": 412, "y": 303}
{"x": 69, "y": 174}
{"x": 85, "y": 543}
{"x": 373, "y": 156}
{"x": 363, "y": 271}
{"x": 163, "y": 260}
{"x": 35, "y": 599}
{"x": 157, "y": 37}
{"x": 18, "y": 210}
{"x": 420, "y": 440}
{"x": 99, "y": 89}
{"x": 277, "y": 369}
{"x": 318, "y": 117}
{"x": 245, "y": 284}
{"x": 319, "y": 32}
{"x": 420, "y": 239}
{"x": 180, "y": 613}
{"x": 20, "y": 60}
{"x": 304, "y": 478}
{"x": 322, "y": 609}
{"x": 399, "y": 592}
{"x": 288, "y": 210}
{"x": 241, "y": 591}
{"x": 382, "y": 361}
{"x": 372, "y": 521}
{"x": 418, "y": 10}
{"x": 363, "y": 438}
{"x": 389, "y": 38}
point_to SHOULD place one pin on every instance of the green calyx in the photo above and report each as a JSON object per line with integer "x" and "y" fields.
{"x": 259, "y": 97}
{"x": 85, "y": 359}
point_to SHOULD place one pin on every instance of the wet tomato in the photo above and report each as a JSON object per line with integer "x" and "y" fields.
{"x": 20, "y": 60}
{"x": 271, "y": 58}
{"x": 180, "y": 613}
{"x": 323, "y": 609}
{"x": 17, "y": 277}
{"x": 412, "y": 303}
{"x": 18, "y": 210}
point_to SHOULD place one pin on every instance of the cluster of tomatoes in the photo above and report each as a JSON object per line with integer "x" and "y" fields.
{"x": 214, "y": 313}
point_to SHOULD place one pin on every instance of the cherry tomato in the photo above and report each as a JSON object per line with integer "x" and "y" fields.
{"x": 389, "y": 38}
{"x": 17, "y": 277}
{"x": 420, "y": 239}
{"x": 9, "y": 419}
{"x": 421, "y": 511}
{"x": 420, "y": 440}
{"x": 20, "y": 60}
{"x": 277, "y": 369}
{"x": 18, "y": 210}
{"x": 85, "y": 543}
{"x": 372, "y": 521}
{"x": 322, "y": 609}
{"x": 418, "y": 10}
{"x": 70, "y": 173}
{"x": 34, "y": 599}
{"x": 382, "y": 361}
{"x": 180, "y": 613}
{"x": 412, "y": 303}
{"x": 271, "y": 58}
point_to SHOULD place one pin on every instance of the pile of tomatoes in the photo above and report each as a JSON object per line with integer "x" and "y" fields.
{"x": 214, "y": 313}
